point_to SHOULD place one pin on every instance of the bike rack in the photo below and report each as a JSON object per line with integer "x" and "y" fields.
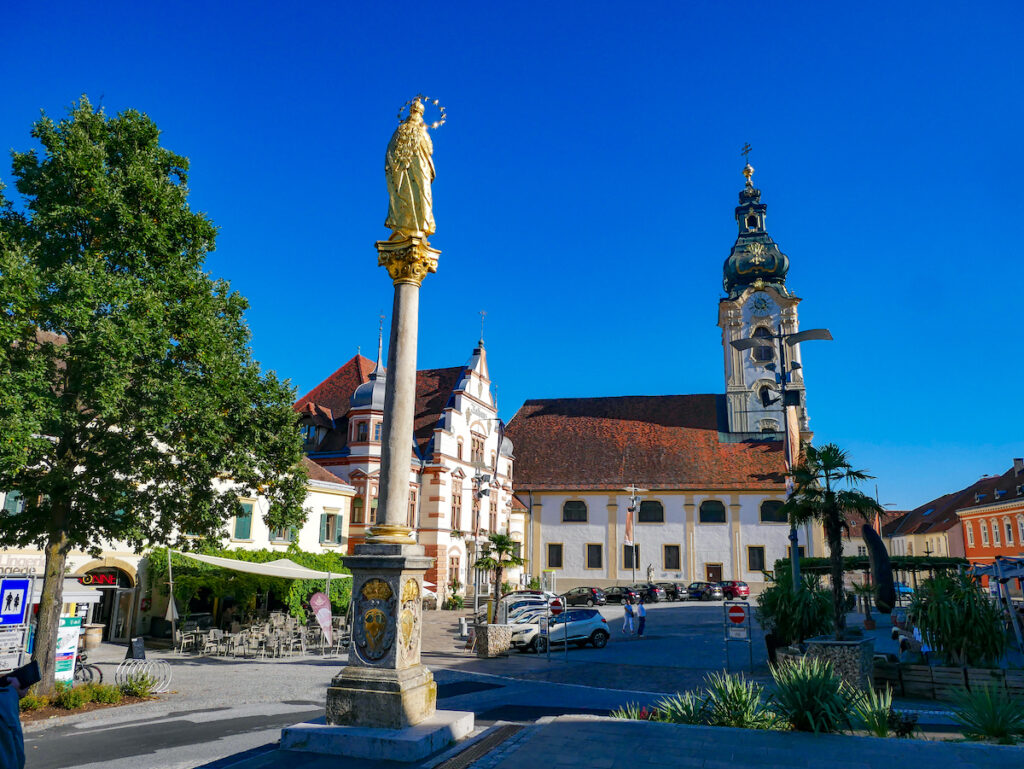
{"x": 158, "y": 670}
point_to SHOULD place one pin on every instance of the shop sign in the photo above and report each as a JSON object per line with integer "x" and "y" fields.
{"x": 67, "y": 648}
{"x": 98, "y": 580}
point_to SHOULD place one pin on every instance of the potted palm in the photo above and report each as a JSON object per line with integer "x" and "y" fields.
{"x": 501, "y": 552}
{"x": 825, "y": 491}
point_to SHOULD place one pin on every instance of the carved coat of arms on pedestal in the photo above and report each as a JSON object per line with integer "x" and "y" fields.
{"x": 408, "y": 626}
{"x": 374, "y": 627}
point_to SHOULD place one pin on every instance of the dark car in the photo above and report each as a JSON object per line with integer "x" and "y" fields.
{"x": 733, "y": 589}
{"x": 585, "y": 596}
{"x": 674, "y": 591}
{"x": 705, "y": 591}
{"x": 650, "y": 592}
{"x": 619, "y": 594}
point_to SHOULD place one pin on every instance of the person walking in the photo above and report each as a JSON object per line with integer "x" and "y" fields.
{"x": 12, "y": 742}
{"x": 627, "y": 619}
{"x": 641, "y": 613}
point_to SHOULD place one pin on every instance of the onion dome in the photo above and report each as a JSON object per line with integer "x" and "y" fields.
{"x": 755, "y": 260}
{"x": 370, "y": 394}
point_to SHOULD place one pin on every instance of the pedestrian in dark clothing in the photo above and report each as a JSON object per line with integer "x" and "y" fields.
{"x": 641, "y": 613}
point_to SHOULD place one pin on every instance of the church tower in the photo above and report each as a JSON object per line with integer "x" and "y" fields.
{"x": 757, "y": 303}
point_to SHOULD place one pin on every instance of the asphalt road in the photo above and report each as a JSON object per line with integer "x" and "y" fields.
{"x": 221, "y": 707}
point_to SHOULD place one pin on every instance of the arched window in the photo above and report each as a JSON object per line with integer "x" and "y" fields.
{"x": 969, "y": 528}
{"x": 771, "y": 512}
{"x": 458, "y": 450}
{"x": 574, "y": 511}
{"x": 712, "y": 511}
{"x": 651, "y": 511}
{"x": 763, "y": 354}
{"x": 1009, "y": 531}
{"x": 995, "y": 533}
{"x": 362, "y": 432}
{"x": 752, "y": 221}
{"x": 1020, "y": 528}
{"x": 984, "y": 533}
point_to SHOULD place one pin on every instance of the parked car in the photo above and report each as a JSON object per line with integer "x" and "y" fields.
{"x": 705, "y": 591}
{"x": 577, "y": 626}
{"x": 620, "y": 594}
{"x": 515, "y": 602}
{"x": 674, "y": 591}
{"x": 586, "y": 596}
{"x": 650, "y": 592}
{"x": 734, "y": 588}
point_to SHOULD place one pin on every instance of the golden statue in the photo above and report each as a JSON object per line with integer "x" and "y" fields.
{"x": 409, "y": 170}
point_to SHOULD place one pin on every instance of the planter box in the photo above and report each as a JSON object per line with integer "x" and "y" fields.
{"x": 852, "y": 660}
{"x": 493, "y": 640}
{"x": 887, "y": 675}
{"x": 1015, "y": 682}
{"x": 917, "y": 681}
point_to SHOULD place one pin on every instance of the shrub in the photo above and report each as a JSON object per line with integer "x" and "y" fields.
{"x": 810, "y": 697}
{"x": 104, "y": 693}
{"x": 873, "y": 710}
{"x": 792, "y": 615}
{"x": 687, "y": 708}
{"x": 635, "y": 712}
{"x": 71, "y": 697}
{"x": 902, "y": 724}
{"x": 989, "y": 713}
{"x": 453, "y": 602}
{"x": 958, "y": 620}
{"x": 139, "y": 685}
{"x": 33, "y": 702}
{"x": 731, "y": 700}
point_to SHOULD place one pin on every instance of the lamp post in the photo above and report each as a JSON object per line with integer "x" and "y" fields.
{"x": 789, "y": 399}
{"x": 634, "y": 509}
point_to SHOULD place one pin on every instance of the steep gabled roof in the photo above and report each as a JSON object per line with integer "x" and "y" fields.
{"x": 333, "y": 393}
{"x": 317, "y": 473}
{"x": 434, "y": 388}
{"x": 660, "y": 442}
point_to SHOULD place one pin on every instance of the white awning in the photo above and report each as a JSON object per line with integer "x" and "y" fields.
{"x": 282, "y": 567}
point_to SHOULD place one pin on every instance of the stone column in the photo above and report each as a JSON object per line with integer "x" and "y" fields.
{"x": 384, "y": 685}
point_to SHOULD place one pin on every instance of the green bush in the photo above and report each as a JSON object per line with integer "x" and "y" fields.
{"x": 873, "y": 711}
{"x": 792, "y": 615}
{"x": 731, "y": 700}
{"x": 686, "y": 708}
{"x": 958, "y": 620}
{"x": 33, "y": 702}
{"x": 139, "y": 685}
{"x": 453, "y": 602}
{"x": 71, "y": 697}
{"x": 810, "y": 697}
{"x": 634, "y": 712}
{"x": 104, "y": 693}
{"x": 985, "y": 712}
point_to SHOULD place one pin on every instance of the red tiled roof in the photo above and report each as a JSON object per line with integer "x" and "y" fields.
{"x": 317, "y": 473}
{"x": 940, "y": 514}
{"x": 334, "y": 392}
{"x": 661, "y": 442}
{"x": 433, "y": 390}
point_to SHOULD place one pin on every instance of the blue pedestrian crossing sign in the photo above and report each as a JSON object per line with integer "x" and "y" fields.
{"x": 14, "y": 597}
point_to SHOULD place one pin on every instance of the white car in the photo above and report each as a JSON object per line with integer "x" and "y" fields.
{"x": 577, "y": 626}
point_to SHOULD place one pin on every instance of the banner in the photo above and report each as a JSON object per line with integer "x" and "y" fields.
{"x": 67, "y": 648}
{"x": 321, "y": 606}
{"x": 628, "y": 539}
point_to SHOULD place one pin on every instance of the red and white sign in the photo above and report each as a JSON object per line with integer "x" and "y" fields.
{"x": 321, "y": 606}
{"x": 738, "y": 614}
{"x": 556, "y": 607}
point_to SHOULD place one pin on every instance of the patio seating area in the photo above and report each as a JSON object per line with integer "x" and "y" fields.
{"x": 278, "y": 635}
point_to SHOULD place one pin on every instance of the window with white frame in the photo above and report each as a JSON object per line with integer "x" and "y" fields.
{"x": 984, "y": 533}
{"x": 969, "y": 528}
{"x": 331, "y": 527}
{"x": 1009, "y": 531}
{"x": 995, "y": 533}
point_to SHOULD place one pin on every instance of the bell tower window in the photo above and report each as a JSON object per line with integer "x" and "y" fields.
{"x": 764, "y": 354}
{"x": 752, "y": 221}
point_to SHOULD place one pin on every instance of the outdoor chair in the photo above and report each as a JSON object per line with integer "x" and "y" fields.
{"x": 183, "y": 641}
{"x": 213, "y": 642}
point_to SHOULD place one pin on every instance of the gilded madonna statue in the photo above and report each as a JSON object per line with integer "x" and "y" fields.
{"x": 409, "y": 171}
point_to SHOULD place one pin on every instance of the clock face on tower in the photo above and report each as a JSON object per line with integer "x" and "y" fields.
{"x": 760, "y": 304}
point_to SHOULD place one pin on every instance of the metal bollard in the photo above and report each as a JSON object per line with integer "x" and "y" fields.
{"x": 463, "y": 627}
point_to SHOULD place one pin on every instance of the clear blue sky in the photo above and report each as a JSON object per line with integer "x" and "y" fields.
{"x": 586, "y": 182}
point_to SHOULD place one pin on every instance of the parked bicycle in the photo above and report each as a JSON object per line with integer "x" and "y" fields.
{"x": 86, "y": 673}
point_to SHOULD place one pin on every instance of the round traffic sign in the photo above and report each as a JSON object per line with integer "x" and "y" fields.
{"x": 738, "y": 614}
{"x": 556, "y": 607}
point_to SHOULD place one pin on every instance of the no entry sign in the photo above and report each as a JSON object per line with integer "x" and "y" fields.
{"x": 737, "y": 614}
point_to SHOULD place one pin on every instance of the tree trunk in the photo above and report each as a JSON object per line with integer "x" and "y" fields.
{"x": 497, "y": 582}
{"x": 48, "y": 620}
{"x": 835, "y": 555}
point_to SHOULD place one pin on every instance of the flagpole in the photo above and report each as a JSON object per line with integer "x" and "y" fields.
{"x": 170, "y": 582}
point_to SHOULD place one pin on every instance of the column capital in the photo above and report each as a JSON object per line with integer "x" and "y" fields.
{"x": 408, "y": 258}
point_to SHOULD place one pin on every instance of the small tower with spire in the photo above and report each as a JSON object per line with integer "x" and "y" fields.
{"x": 757, "y": 303}
{"x": 366, "y": 407}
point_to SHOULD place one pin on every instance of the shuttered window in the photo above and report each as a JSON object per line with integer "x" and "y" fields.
{"x": 243, "y": 522}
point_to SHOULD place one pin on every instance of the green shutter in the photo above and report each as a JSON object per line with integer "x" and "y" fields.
{"x": 13, "y": 503}
{"x": 323, "y": 527}
{"x": 243, "y": 523}
{"x": 337, "y": 529}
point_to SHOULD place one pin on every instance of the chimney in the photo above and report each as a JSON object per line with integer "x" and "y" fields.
{"x": 1018, "y": 467}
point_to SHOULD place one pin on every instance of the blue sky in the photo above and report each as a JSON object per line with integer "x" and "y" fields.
{"x": 586, "y": 182}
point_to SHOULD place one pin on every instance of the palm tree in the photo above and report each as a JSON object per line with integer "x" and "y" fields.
{"x": 501, "y": 552}
{"x": 818, "y": 494}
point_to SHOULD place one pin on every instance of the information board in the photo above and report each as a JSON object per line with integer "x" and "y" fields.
{"x": 12, "y": 642}
{"x": 67, "y": 648}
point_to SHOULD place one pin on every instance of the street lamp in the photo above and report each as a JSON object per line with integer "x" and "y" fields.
{"x": 782, "y": 376}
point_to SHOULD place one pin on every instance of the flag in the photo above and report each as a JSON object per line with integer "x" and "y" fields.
{"x": 628, "y": 539}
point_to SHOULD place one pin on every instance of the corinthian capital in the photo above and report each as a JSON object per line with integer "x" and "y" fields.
{"x": 408, "y": 258}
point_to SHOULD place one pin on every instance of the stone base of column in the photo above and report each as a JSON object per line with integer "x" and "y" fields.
{"x": 381, "y": 699}
{"x": 415, "y": 743}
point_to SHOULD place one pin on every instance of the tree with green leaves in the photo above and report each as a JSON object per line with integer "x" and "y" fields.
{"x": 824, "y": 482}
{"x": 500, "y": 552}
{"x": 131, "y": 409}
